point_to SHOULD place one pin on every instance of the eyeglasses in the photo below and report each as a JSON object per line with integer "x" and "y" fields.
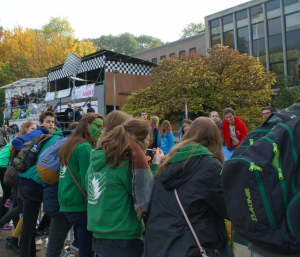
{"x": 98, "y": 125}
{"x": 266, "y": 113}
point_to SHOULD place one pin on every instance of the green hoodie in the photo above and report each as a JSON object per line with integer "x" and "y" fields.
{"x": 111, "y": 213}
{"x": 31, "y": 172}
{"x": 5, "y": 156}
{"x": 188, "y": 151}
{"x": 70, "y": 197}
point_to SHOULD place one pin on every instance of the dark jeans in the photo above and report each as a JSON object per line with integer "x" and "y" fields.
{"x": 15, "y": 212}
{"x": 32, "y": 199}
{"x": 59, "y": 228}
{"x": 45, "y": 222}
{"x": 6, "y": 192}
{"x": 85, "y": 237}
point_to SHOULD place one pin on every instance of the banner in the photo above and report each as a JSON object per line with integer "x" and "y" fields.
{"x": 19, "y": 112}
{"x": 83, "y": 91}
{"x": 49, "y": 96}
{"x": 64, "y": 93}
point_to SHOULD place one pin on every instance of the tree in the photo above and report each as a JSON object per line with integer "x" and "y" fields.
{"x": 223, "y": 79}
{"x": 287, "y": 94}
{"x": 192, "y": 29}
{"x": 126, "y": 43}
{"x": 57, "y": 27}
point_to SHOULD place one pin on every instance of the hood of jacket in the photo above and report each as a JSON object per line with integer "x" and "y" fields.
{"x": 97, "y": 159}
{"x": 237, "y": 121}
{"x": 57, "y": 132}
{"x": 181, "y": 166}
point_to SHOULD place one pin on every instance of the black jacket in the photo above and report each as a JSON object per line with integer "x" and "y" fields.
{"x": 68, "y": 115}
{"x": 90, "y": 109}
{"x": 78, "y": 114}
{"x": 201, "y": 193}
{"x": 154, "y": 138}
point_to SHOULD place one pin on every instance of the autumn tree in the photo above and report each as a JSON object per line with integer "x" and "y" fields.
{"x": 58, "y": 27}
{"x": 223, "y": 79}
{"x": 192, "y": 29}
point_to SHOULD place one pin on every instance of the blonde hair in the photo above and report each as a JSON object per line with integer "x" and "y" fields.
{"x": 203, "y": 131}
{"x": 154, "y": 120}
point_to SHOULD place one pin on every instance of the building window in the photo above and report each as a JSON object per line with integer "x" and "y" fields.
{"x": 292, "y": 71}
{"x": 258, "y": 31}
{"x": 292, "y": 21}
{"x": 228, "y": 23}
{"x": 274, "y": 26}
{"x": 257, "y": 14}
{"x": 292, "y": 44}
{"x": 182, "y": 54}
{"x": 275, "y": 41}
{"x": 229, "y": 39}
{"x": 163, "y": 57}
{"x": 154, "y": 60}
{"x": 172, "y": 55}
{"x": 243, "y": 40}
{"x": 192, "y": 50}
{"x": 278, "y": 68}
{"x": 290, "y": 6}
{"x": 258, "y": 37}
{"x": 215, "y": 32}
{"x": 241, "y": 18}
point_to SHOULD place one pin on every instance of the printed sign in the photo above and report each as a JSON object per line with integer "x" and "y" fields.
{"x": 64, "y": 93}
{"x": 83, "y": 91}
{"x": 49, "y": 96}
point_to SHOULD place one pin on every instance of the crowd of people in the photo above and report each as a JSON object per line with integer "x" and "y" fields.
{"x": 24, "y": 99}
{"x": 119, "y": 202}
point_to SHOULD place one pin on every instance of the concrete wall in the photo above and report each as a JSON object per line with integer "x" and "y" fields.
{"x": 185, "y": 44}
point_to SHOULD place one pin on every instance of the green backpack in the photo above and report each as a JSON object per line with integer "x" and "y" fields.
{"x": 27, "y": 157}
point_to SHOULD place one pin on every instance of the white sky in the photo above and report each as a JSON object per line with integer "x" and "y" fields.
{"x": 163, "y": 19}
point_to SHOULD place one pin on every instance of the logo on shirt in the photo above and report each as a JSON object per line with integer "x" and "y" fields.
{"x": 62, "y": 171}
{"x": 96, "y": 185}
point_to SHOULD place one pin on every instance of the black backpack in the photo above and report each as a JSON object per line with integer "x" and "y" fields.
{"x": 262, "y": 185}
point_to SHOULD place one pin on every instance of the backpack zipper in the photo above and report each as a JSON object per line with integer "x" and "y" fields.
{"x": 293, "y": 152}
{"x": 276, "y": 163}
{"x": 289, "y": 224}
{"x": 261, "y": 188}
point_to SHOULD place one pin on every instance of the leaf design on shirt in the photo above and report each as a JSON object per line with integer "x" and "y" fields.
{"x": 96, "y": 187}
{"x": 63, "y": 170}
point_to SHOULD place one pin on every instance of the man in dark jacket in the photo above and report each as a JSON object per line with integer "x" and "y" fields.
{"x": 68, "y": 115}
{"x": 90, "y": 108}
{"x": 79, "y": 113}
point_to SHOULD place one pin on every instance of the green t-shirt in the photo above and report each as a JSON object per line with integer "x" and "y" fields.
{"x": 5, "y": 156}
{"x": 111, "y": 213}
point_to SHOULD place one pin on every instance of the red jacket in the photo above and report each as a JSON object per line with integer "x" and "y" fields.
{"x": 240, "y": 131}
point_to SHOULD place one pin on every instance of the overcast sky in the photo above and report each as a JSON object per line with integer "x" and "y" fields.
{"x": 163, "y": 19}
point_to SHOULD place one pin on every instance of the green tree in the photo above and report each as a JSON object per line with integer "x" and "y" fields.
{"x": 2, "y": 101}
{"x": 146, "y": 42}
{"x": 287, "y": 94}
{"x": 192, "y": 29}
{"x": 223, "y": 79}
{"x": 57, "y": 27}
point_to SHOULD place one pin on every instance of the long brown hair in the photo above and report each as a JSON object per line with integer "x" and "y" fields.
{"x": 78, "y": 136}
{"x": 183, "y": 125}
{"x": 114, "y": 119}
{"x": 116, "y": 143}
{"x": 204, "y": 132}
{"x": 25, "y": 127}
{"x": 165, "y": 128}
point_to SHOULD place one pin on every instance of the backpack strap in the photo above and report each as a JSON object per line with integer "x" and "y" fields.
{"x": 77, "y": 184}
{"x": 283, "y": 117}
{"x": 202, "y": 250}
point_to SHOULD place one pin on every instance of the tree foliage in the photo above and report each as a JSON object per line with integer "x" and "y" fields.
{"x": 58, "y": 27}
{"x": 192, "y": 29}
{"x": 223, "y": 79}
{"x": 126, "y": 43}
{"x": 287, "y": 94}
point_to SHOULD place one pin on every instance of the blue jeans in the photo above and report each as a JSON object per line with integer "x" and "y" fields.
{"x": 85, "y": 237}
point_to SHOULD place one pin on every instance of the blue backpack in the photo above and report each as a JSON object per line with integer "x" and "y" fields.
{"x": 48, "y": 166}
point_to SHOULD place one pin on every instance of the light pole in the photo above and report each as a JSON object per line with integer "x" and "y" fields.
{"x": 115, "y": 72}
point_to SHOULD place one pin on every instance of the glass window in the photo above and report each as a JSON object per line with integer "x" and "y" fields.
{"x": 259, "y": 47}
{"x": 277, "y": 57}
{"x": 293, "y": 44}
{"x": 215, "y": 23}
{"x": 241, "y": 15}
{"x": 193, "y": 50}
{"x": 244, "y": 48}
{"x": 215, "y": 40}
{"x": 287, "y": 2}
{"x": 257, "y": 13}
{"x": 291, "y": 8}
{"x": 258, "y": 31}
{"x": 243, "y": 35}
{"x": 278, "y": 68}
{"x": 172, "y": 55}
{"x": 229, "y": 39}
{"x": 261, "y": 59}
{"x": 273, "y": 13}
{"x": 228, "y": 27}
{"x": 163, "y": 57}
{"x": 242, "y": 23}
{"x": 154, "y": 60}
{"x": 272, "y": 5}
{"x": 215, "y": 31}
{"x": 182, "y": 54}
{"x": 292, "y": 71}
{"x": 275, "y": 44}
{"x": 292, "y": 21}
{"x": 274, "y": 26}
{"x": 227, "y": 19}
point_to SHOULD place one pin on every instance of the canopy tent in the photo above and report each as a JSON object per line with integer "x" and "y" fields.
{"x": 27, "y": 82}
